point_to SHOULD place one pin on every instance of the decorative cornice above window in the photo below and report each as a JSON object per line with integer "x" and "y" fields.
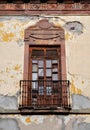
{"x": 37, "y": 8}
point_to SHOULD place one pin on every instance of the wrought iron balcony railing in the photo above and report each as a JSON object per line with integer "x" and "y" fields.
{"x": 43, "y": 94}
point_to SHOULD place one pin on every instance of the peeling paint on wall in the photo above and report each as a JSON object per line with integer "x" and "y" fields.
{"x": 68, "y": 36}
{"x": 74, "y": 89}
{"x": 9, "y": 79}
{"x": 74, "y": 27}
{"x": 54, "y": 122}
{"x": 12, "y": 28}
{"x": 32, "y": 119}
{"x": 12, "y": 51}
{"x": 79, "y": 84}
{"x": 11, "y": 67}
{"x": 45, "y": 123}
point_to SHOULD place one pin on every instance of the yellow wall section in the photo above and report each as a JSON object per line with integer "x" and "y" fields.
{"x": 6, "y": 37}
{"x": 74, "y": 89}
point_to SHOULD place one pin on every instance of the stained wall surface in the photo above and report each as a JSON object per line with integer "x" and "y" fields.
{"x": 77, "y": 47}
{"x": 48, "y": 122}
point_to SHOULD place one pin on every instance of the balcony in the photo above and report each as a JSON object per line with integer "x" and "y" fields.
{"x": 44, "y": 94}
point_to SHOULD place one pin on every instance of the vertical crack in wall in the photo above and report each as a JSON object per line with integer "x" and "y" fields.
{"x": 63, "y": 121}
{"x": 63, "y": 124}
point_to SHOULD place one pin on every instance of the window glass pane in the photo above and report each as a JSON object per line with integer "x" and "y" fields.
{"x": 55, "y": 76}
{"x": 48, "y": 72}
{"x": 54, "y": 66}
{"x": 48, "y": 82}
{"x": 56, "y": 84}
{"x": 41, "y": 90}
{"x": 51, "y": 53}
{"x": 35, "y": 85}
{"x": 37, "y": 53}
{"x": 55, "y": 70}
{"x": 34, "y": 76}
{"x": 41, "y": 72}
{"x": 41, "y": 82}
{"x": 34, "y": 61}
{"x": 34, "y": 68}
{"x": 48, "y": 90}
{"x": 48, "y": 63}
{"x": 54, "y": 61}
{"x": 41, "y": 63}
{"x": 34, "y": 101}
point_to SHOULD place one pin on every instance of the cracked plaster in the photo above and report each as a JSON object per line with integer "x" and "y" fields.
{"x": 59, "y": 122}
{"x": 12, "y": 29}
{"x": 74, "y": 27}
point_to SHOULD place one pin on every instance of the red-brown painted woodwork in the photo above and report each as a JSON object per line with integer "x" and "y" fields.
{"x": 42, "y": 36}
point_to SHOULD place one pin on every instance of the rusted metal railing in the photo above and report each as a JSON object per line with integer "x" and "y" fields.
{"x": 44, "y": 94}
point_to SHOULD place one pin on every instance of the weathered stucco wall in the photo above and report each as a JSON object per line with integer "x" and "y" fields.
{"x": 77, "y": 53}
{"x": 11, "y": 71}
{"x": 54, "y": 122}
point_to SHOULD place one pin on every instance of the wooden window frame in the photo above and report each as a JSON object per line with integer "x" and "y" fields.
{"x": 52, "y": 32}
{"x": 27, "y": 46}
{"x": 26, "y": 62}
{"x": 45, "y": 48}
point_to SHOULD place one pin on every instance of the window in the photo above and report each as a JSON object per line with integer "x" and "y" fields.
{"x": 44, "y": 85}
{"x": 44, "y": 75}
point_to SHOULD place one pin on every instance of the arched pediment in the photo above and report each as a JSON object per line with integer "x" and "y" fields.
{"x": 44, "y": 24}
{"x": 44, "y": 30}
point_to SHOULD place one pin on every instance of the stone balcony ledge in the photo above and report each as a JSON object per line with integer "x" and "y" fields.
{"x": 45, "y": 112}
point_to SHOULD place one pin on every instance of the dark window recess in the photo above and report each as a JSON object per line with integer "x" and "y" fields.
{"x": 9, "y": 1}
{"x": 44, "y": 1}
{"x": 45, "y": 87}
{"x": 51, "y": 53}
{"x": 76, "y": 1}
{"x": 37, "y": 53}
{"x": 60, "y": 1}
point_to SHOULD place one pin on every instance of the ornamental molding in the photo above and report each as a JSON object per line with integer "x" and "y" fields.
{"x": 44, "y": 31}
{"x": 44, "y": 8}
